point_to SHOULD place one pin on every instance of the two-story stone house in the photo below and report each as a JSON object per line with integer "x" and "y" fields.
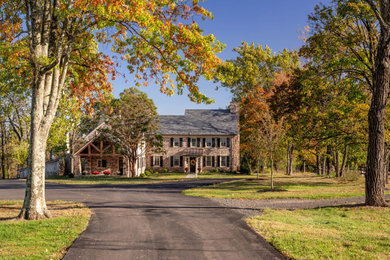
{"x": 200, "y": 140}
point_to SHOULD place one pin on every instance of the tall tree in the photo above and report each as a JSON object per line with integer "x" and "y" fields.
{"x": 132, "y": 125}
{"x": 353, "y": 37}
{"x": 375, "y": 179}
{"x": 255, "y": 66}
{"x": 157, "y": 38}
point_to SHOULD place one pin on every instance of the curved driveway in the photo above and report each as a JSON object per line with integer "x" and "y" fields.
{"x": 154, "y": 221}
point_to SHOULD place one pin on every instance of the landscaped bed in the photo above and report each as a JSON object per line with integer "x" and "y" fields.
{"x": 327, "y": 233}
{"x": 298, "y": 186}
{"x": 41, "y": 239}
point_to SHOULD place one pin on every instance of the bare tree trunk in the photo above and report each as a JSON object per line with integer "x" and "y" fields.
{"x": 3, "y": 168}
{"x": 290, "y": 150}
{"x": 272, "y": 171}
{"x": 258, "y": 166}
{"x": 336, "y": 162}
{"x": 344, "y": 162}
{"x": 318, "y": 170}
{"x": 304, "y": 166}
{"x": 323, "y": 165}
{"x": 328, "y": 154}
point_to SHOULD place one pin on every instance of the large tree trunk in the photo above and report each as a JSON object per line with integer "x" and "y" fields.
{"x": 290, "y": 150}
{"x": 375, "y": 182}
{"x": 34, "y": 206}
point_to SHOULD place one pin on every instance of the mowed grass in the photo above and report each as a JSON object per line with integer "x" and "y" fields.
{"x": 40, "y": 239}
{"x": 298, "y": 186}
{"x": 327, "y": 233}
{"x": 153, "y": 178}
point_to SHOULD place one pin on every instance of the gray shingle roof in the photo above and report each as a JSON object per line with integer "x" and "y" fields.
{"x": 200, "y": 122}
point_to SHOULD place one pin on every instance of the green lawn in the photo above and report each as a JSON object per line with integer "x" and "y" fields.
{"x": 327, "y": 233}
{"x": 299, "y": 186}
{"x": 154, "y": 178}
{"x": 40, "y": 239}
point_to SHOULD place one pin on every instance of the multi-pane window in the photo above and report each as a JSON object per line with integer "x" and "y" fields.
{"x": 102, "y": 163}
{"x": 156, "y": 161}
{"x": 194, "y": 142}
{"x": 224, "y": 161}
{"x": 176, "y": 161}
{"x": 223, "y": 142}
{"x": 209, "y": 142}
{"x": 208, "y": 161}
{"x": 176, "y": 141}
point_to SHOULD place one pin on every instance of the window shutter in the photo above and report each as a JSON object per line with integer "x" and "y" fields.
{"x": 228, "y": 161}
{"x": 198, "y": 142}
{"x": 151, "y": 161}
{"x": 171, "y": 141}
{"x": 213, "y": 161}
{"x": 171, "y": 161}
{"x": 218, "y": 161}
{"x": 204, "y": 142}
{"x": 204, "y": 161}
{"x": 228, "y": 142}
{"x": 161, "y": 161}
{"x": 181, "y": 161}
{"x": 181, "y": 142}
{"x": 213, "y": 142}
{"x": 218, "y": 142}
{"x": 188, "y": 142}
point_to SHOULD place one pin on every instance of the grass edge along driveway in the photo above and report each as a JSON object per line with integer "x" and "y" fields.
{"x": 296, "y": 186}
{"x": 41, "y": 239}
{"x": 153, "y": 178}
{"x": 323, "y": 233}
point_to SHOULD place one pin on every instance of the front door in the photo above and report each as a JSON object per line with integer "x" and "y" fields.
{"x": 192, "y": 164}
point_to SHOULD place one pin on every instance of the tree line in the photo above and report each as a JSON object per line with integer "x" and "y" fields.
{"x": 314, "y": 102}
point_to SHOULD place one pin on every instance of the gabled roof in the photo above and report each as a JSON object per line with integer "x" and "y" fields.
{"x": 200, "y": 122}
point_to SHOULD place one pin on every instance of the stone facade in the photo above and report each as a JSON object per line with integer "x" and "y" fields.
{"x": 201, "y": 140}
{"x": 179, "y": 155}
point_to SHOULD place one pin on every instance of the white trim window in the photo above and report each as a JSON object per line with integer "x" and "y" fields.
{"x": 224, "y": 161}
{"x": 209, "y": 142}
{"x": 176, "y": 161}
{"x": 194, "y": 142}
{"x": 223, "y": 142}
{"x": 176, "y": 141}
{"x": 209, "y": 161}
{"x": 156, "y": 161}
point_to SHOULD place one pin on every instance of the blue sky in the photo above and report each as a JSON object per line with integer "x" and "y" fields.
{"x": 276, "y": 23}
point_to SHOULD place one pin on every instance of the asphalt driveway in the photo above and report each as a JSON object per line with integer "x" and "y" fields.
{"x": 154, "y": 221}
